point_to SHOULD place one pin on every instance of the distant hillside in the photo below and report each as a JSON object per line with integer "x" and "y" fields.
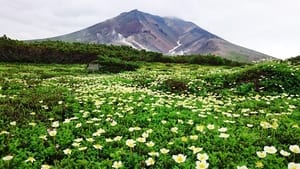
{"x": 64, "y": 52}
{"x": 170, "y": 36}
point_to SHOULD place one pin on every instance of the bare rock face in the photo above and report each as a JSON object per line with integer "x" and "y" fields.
{"x": 170, "y": 36}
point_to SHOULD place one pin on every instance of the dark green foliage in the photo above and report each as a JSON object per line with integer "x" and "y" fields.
{"x": 206, "y": 60}
{"x": 197, "y": 59}
{"x": 63, "y": 52}
{"x": 245, "y": 88}
{"x": 115, "y": 65}
{"x": 174, "y": 86}
{"x": 295, "y": 60}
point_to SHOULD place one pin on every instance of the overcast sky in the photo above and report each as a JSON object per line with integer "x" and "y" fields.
{"x": 268, "y": 26}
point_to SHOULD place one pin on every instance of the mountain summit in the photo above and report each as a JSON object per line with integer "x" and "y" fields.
{"x": 170, "y": 36}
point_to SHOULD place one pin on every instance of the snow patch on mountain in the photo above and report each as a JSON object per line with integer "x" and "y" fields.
{"x": 172, "y": 51}
{"x": 129, "y": 41}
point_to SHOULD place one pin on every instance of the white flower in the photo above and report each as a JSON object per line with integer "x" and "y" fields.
{"x": 249, "y": 125}
{"x": 274, "y": 125}
{"x": 30, "y": 159}
{"x": 242, "y": 167}
{"x": 180, "y": 158}
{"x": 67, "y": 151}
{"x": 55, "y": 124}
{"x": 82, "y": 148}
{"x": 170, "y": 143}
{"x": 8, "y": 158}
{"x": 223, "y": 129}
{"x": 265, "y": 125}
{"x": 184, "y": 139}
{"x": 45, "y": 166}
{"x": 43, "y": 137}
{"x": 149, "y": 131}
{"x": 293, "y": 165}
{"x": 137, "y": 128}
{"x": 75, "y": 144}
{"x": 201, "y": 165}
{"x": 4, "y": 132}
{"x": 202, "y": 157}
{"x": 113, "y": 123}
{"x": 190, "y": 122}
{"x": 261, "y": 154}
{"x": 174, "y": 129}
{"x": 141, "y": 139}
{"x": 163, "y": 121}
{"x": 223, "y": 135}
{"x": 180, "y": 121}
{"x": 78, "y": 125}
{"x": 52, "y": 133}
{"x": 145, "y": 135}
{"x": 117, "y": 138}
{"x": 153, "y": 154}
{"x": 67, "y": 121}
{"x": 270, "y": 149}
{"x": 164, "y": 150}
{"x": 99, "y": 132}
{"x": 90, "y": 140}
{"x": 130, "y": 143}
{"x": 150, "y": 144}
{"x": 78, "y": 140}
{"x": 210, "y": 126}
{"x": 284, "y": 153}
{"x": 13, "y": 123}
{"x": 98, "y": 146}
{"x": 117, "y": 164}
{"x": 200, "y": 128}
{"x": 294, "y": 149}
{"x": 108, "y": 140}
{"x": 193, "y": 137}
{"x": 150, "y": 161}
{"x": 89, "y": 122}
{"x": 195, "y": 149}
{"x": 32, "y": 124}
{"x": 259, "y": 164}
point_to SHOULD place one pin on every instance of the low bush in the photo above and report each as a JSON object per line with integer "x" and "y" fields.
{"x": 174, "y": 86}
{"x": 115, "y": 65}
{"x": 295, "y": 60}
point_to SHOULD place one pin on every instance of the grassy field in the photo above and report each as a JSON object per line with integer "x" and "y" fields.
{"x": 160, "y": 116}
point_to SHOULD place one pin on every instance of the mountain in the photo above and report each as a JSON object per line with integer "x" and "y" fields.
{"x": 171, "y": 36}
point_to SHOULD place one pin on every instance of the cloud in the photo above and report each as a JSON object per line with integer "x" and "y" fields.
{"x": 269, "y": 26}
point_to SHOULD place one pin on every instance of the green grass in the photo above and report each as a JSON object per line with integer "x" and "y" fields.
{"x": 175, "y": 106}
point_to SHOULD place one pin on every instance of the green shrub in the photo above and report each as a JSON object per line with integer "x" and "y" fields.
{"x": 175, "y": 86}
{"x": 245, "y": 88}
{"x": 115, "y": 65}
{"x": 295, "y": 60}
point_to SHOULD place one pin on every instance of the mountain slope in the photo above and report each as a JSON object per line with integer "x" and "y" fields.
{"x": 170, "y": 36}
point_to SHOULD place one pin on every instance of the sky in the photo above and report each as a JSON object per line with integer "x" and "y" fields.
{"x": 268, "y": 26}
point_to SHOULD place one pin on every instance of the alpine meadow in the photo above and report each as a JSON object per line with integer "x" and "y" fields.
{"x": 141, "y": 91}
